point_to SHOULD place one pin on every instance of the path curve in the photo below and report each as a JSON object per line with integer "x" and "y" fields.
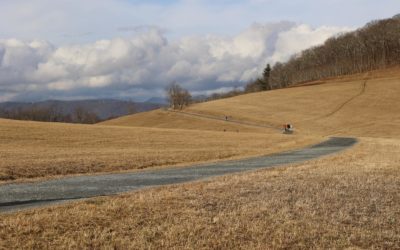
{"x": 14, "y": 197}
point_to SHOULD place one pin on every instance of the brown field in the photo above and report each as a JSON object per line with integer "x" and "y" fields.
{"x": 165, "y": 119}
{"x": 349, "y": 200}
{"x": 326, "y": 109}
{"x": 31, "y": 149}
{"x": 339, "y": 107}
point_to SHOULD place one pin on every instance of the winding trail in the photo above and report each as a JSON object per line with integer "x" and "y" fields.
{"x": 14, "y": 197}
{"x": 362, "y": 91}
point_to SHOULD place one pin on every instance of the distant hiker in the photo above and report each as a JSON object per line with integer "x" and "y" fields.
{"x": 226, "y": 118}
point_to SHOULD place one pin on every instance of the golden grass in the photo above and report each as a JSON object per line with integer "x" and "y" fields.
{"x": 165, "y": 119}
{"x": 373, "y": 113}
{"x": 348, "y": 200}
{"x": 33, "y": 149}
{"x": 313, "y": 110}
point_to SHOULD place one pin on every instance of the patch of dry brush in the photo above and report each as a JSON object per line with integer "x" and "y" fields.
{"x": 348, "y": 200}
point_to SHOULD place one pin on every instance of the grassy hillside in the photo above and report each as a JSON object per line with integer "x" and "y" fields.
{"x": 172, "y": 120}
{"x": 34, "y": 149}
{"x": 358, "y": 105}
{"x": 342, "y": 201}
{"x": 348, "y": 200}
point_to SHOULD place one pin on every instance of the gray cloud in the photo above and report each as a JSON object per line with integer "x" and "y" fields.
{"x": 52, "y": 20}
{"x": 141, "y": 66}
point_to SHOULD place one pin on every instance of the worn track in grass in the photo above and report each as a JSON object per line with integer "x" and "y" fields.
{"x": 227, "y": 119}
{"x": 362, "y": 91}
{"x": 14, "y": 197}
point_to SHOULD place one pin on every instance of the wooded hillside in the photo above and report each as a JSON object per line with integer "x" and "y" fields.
{"x": 375, "y": 46}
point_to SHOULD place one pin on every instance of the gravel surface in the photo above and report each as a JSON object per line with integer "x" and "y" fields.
{"x": 14, "y": 197}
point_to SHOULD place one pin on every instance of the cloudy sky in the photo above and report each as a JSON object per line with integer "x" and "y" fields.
{"x": 131, "y": 49}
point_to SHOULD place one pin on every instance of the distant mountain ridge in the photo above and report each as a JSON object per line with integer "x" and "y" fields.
{"x": 103, "y": 108}
{"x": 157, "y": 100}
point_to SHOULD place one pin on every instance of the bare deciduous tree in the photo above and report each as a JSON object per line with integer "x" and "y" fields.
{"x": 81, "y": 115}
{"x": 177, "y": 96}
{"x": 375, "y": 46}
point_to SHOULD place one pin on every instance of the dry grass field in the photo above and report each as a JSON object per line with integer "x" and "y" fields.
{"x": 165, "y": 119}
{"x": 348, "y": 200}
{"x": 31, "y": 149}
{"x": 340, "y": 106}
{"x": 343, "y": 201}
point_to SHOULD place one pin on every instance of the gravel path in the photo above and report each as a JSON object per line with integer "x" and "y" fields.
{"x": 14, "y": 197}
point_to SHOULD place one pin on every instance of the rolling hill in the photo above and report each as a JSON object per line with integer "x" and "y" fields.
{"x": 345, "y": 200}
{"x": 364, "y": 105}
{"x": 31, "y": 150}
{"x": 356, "y": 105}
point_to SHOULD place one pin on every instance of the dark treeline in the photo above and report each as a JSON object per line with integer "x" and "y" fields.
{"x": 50, "y": 114}
{"x": 375, "y": 46}
{"x": 77, "y": 111}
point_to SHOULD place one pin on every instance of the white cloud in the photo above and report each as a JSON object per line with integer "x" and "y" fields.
{"x": 302, "y": 37}
{"x": 145, "y": 63}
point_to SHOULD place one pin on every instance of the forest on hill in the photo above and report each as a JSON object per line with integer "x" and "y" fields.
{"x": 375, "y": 46}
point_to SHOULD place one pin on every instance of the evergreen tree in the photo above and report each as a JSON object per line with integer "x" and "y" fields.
{"x": 265, "y": 82}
